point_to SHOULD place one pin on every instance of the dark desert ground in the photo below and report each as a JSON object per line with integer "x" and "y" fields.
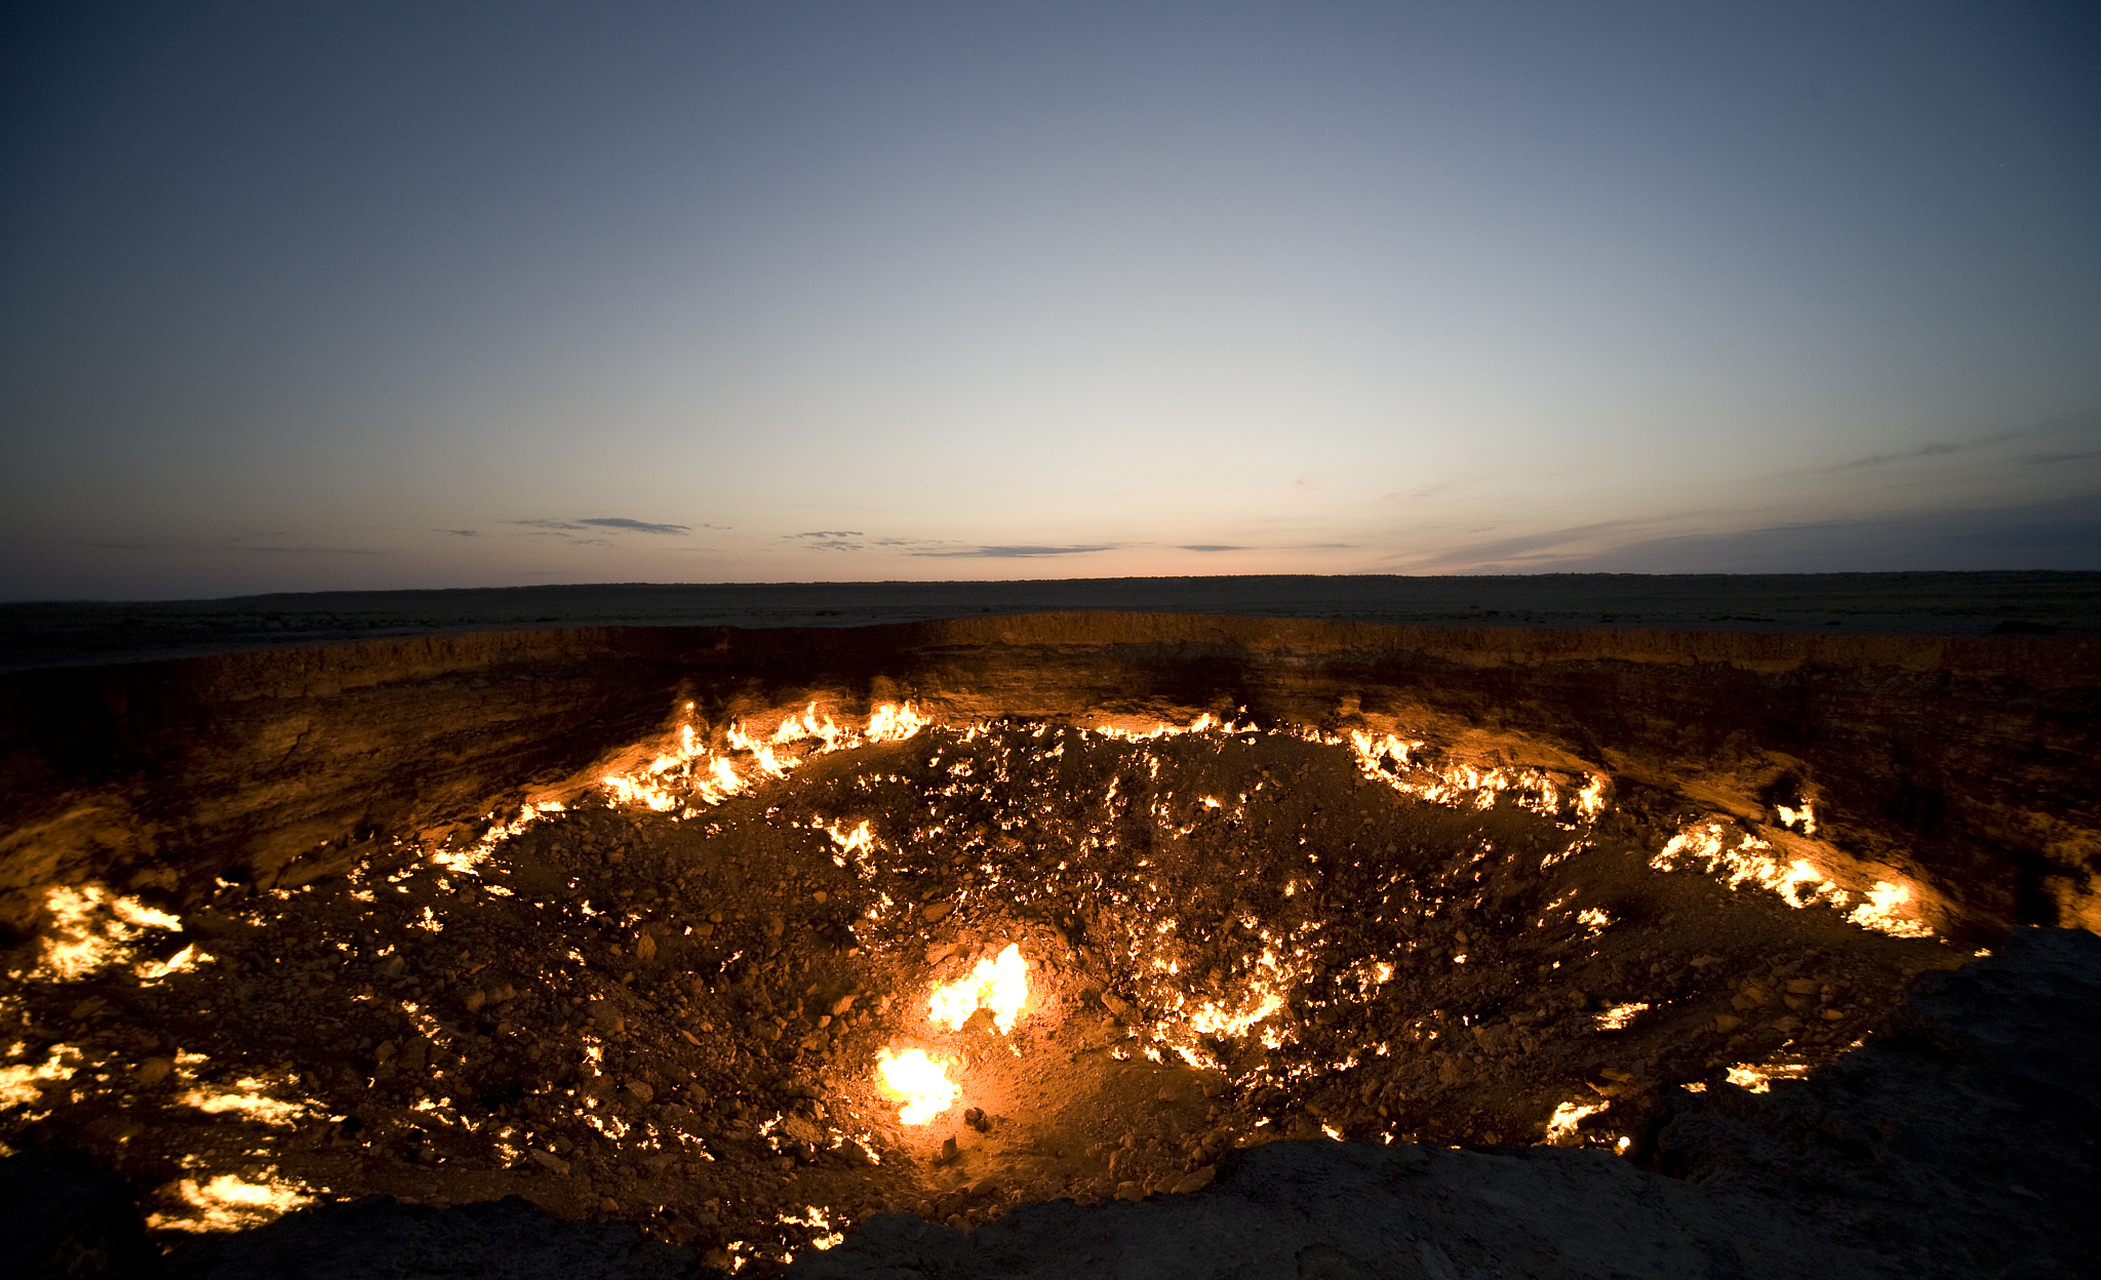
{"x": 58, "y": 633}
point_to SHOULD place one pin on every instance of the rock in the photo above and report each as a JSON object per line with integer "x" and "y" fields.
{"x": 640, "y": 1090}
{"x": 716, "y": 1259}
{"x": 1195, "y": 1180}
{"x": 936, "y": 912}
{"x": 549, "y": 1161}
{"x": 645, "y": 947}
{"x": 1727, "y": 1022}
{"x": 475, "y": 1000}
{"x": 1130, "y": 1191}
{"x": 152, "y": 1071}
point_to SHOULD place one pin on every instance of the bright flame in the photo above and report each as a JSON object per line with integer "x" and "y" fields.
{"x": 889, "y": 723}
{"x": 229, "y": 1203}
{"x": 922, "y": 1082}
{"x": 1620, "y": 1016}
{"x": 91, "y": 928}
{"x": 821, "y": 1220}
{"x": 690, "y": 770}
{"x": 1562, "y": 1128}
{"x": 21, "y": 1084}
{"x": 1393, "y": 761}
{"x": 1797, "y": 882}
{"x": 1751, "y": 1078}
{"x": 1884, "y": 911}
{"x": 1001, "y": 985}
{"x": 1212, "y": 1020}
{"x": 250, "y": 1102}
{"x": 1751, "y": 862}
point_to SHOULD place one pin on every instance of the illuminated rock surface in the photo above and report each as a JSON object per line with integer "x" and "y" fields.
{"x": 622, "y": 922}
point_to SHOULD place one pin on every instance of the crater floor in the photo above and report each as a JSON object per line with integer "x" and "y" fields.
{"x": 674, "y": 1018}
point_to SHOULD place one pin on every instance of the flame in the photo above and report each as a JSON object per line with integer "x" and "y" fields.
{"x": 1798, "y": 882}
{"x": 1884, "y": 911}
{"x": 1212, "y": 1020}
{"x": 92, "y": 928}
{"x": 1561, "y": 1129}
{"x": 922, "y": 1082}
{"x": 1620, "y": 1016}
{"x": 1391, "y": 760}
{"x": 250, "y": 1101}
{"x": 231, "y": 1203}
{"x": 889, "y": 723}
{"x": 1001, "y": 985}
{"x": 688, "y": 769}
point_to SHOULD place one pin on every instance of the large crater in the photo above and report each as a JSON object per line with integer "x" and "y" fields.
{"x": 625, "y": 921}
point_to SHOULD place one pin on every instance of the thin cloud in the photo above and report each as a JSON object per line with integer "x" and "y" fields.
{"x": 638, "y": 526}
{"x": 1529, "y": 547}
{"x": 2076, "y": 426}
{"x": 1423, "y": 492}
{"x": 310, "y": 551}
{"x": 1016, "y": 553}
{"x": 1207, "y": 546}
{"x": 2057, "y": 534}
{"x": 829, "y": 539}
{"x": 462, "y": 533}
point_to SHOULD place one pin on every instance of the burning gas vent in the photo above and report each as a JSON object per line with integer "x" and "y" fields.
{"x": 775, "y": 974}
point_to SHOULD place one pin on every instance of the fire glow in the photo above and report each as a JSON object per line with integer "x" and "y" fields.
{"x": 1000, "y": 985}
{"x": 918, "y": 1080}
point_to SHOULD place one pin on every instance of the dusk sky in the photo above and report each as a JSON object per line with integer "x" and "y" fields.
{"x": 320, "y": 296}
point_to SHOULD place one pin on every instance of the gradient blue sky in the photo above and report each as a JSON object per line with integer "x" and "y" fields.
{"x": 306, "y": 296}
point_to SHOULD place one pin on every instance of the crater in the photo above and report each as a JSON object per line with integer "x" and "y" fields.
{"x": 629, "y": 922}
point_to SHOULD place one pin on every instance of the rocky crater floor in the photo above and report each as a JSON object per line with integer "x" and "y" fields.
{"x": 1268, "y": 969}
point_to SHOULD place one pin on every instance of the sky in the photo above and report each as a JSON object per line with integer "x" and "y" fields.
{"x": 368, "y": 295}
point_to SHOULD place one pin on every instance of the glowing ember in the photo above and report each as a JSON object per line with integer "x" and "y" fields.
{"x": 1001, "y": 985}
{"x": 922, "y": 1082}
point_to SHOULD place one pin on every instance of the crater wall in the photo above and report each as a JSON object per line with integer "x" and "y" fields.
{"x": 1966, "y": 764}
